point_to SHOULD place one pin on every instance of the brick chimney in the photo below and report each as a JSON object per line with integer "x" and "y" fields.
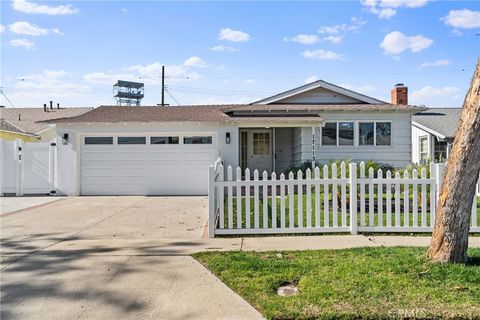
{"x": 399, "y": 94}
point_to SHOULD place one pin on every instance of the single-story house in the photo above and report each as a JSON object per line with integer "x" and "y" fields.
{"x": 23, "y": 123}
{"x": 119, "y": 150}
{"x": 433, "y": 132}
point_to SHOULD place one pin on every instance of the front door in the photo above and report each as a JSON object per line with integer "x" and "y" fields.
{"x": 260, "y": 150}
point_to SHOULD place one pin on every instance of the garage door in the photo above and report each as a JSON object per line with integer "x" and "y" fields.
{"x": 146, "y": 165}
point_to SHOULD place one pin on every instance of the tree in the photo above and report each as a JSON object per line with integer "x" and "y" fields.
{"x": 449, "y": 241}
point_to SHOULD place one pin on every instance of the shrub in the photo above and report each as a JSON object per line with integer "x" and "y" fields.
{"x": 368, "y": 164}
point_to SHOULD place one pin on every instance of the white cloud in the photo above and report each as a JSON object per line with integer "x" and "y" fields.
{"x": 321, "y": 54}
{"x": 437, "y": 96}
{"x": 396, "y": 42}
{"x": 21, "y": 43}
{"x": 311, "y": 79}
{"x": 32, "y": 7}
{"x": 354, "y": 26}
{"x": 109, "y": 78}
{"x": 222, "y": 48}
{"x": 333, "y": 39}
{"x": 465, "y": 19}
{"x": 303, "y": 38}
{"x": 174, "y": 72}
{"x": 27, "y": 28}
{"x": 233, "y": 35}
{"x": 436, "y": 63}
{"x": 2, "y": 28}
{"x": 365, "y": 89}
{"x": 386, "y": 9}
{"x": 195, "y": 62}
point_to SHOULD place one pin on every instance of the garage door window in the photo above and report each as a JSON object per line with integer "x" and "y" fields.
{"x": 98, "y": 140}
{"x": 197, "y": 140}
{"x": 131, "y": 140}
{"x": 164, "y": 140}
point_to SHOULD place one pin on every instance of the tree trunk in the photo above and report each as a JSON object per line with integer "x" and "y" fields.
{"x": 449, "y": 241}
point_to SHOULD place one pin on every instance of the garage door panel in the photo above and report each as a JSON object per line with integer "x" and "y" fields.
{"x": 146, "y": 169}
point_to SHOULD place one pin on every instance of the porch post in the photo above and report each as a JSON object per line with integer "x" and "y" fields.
{"x": 313, "y": 148}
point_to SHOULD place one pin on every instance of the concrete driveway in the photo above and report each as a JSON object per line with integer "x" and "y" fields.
{"x": 112, "y": 258}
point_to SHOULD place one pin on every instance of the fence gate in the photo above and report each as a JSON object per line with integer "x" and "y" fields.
{"x": 27, "y": 167}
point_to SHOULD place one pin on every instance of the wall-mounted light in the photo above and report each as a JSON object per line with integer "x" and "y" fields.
{"x": 65, "y": 138}
{"x": 227, "y": 138}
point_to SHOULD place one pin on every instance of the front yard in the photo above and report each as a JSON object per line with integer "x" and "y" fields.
{"x": 364, "y": 283}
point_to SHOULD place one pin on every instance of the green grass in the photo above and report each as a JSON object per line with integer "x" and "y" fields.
{"x": 322, "y": 215}
{"x": 361, "y": 283}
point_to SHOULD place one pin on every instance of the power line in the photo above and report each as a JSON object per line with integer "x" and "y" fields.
{"x": 171, "y": 96}
{"x": 3, "y": 93}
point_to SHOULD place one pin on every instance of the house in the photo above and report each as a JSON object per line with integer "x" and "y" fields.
{"x": 22, "y": 123}
{"x": 433, "y": 132}
{"x": 117, "y": 150}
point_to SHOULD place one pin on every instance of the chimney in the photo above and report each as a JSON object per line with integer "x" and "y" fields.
{"x": 44, "y": 107}
{"x": 399, "y": 94}
{"x": 51, "y": 105}
{"x": 58, "y": 105}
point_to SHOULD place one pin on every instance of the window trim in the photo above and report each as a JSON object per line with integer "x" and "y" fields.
{"x": 420, "y": 147}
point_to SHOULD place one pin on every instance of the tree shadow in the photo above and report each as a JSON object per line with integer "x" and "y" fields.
{"x": 32, "y": 273}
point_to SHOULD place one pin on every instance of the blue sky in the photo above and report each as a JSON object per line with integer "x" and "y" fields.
{"x": 235, "y": 52}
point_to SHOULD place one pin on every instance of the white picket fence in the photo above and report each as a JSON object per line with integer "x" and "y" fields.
{"x": 27, "y": 167}
{"x": 326, "y": 200}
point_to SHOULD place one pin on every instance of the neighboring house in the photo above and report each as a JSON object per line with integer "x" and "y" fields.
{"x": 9, "y": 131}
{"x": 114, "y": 150}
{"x": 22, "y": 123}
{"x": 433, "y": 132}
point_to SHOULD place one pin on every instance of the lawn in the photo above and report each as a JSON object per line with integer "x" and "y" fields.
{"x": 361, "y": 283}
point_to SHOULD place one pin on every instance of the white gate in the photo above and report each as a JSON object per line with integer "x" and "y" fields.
{"x": 27, "y": 167}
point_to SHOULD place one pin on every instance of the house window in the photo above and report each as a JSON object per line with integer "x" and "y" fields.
{"x": 98, "y": 140}
{"x": 345, "y": 133}
{"x": 131, "y": 140}
{"x": 366, "y": 136}
{"x": 329, "y": 134}
{"x": 197, "y": 140}
{"x": 440, "y": 151}
{"x": 261, "y": 143}
{"x": 384, "y": 133}
{"x": 423, "y": 143}
{"x": 164, "y": 140}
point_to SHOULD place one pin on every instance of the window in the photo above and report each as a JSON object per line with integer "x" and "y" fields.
{"x": 131, "y": 140}
{"x": 345, "y": 133}
{"x": 98, "y": 140}
{"x": 197, "y": 140}
{"x": 384, "y": 133}
{"x": 261, "y": 143}
{"x": 423, "y": 143}
{"x": 440, "y": 148}
{"x": 366, "y": 136}
{"x": 329, "y": 134}
{"x": 164, "y": 140}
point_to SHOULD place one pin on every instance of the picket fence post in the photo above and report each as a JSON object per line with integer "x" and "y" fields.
{"x": 439, "y": 168}
{"x": 211, "y": 202}
{"x": 353, "y": 198}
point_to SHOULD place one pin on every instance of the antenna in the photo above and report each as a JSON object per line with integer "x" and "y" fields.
{"x": 128, "y": 93}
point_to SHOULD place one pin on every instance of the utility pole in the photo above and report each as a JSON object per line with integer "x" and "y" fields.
{"x": 163, "y": 86}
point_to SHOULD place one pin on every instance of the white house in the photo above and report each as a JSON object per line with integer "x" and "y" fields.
{"x": 433, "y": 132}
{"x": 116, "y": 150}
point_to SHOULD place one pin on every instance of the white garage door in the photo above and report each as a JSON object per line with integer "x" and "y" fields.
{"x": 146, "y": 165}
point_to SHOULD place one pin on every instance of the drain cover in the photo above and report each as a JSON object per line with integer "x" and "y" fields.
{"x": 287, "y": 290}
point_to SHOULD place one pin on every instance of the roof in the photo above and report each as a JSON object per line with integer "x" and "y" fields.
{"x": 29, "y": 117}
{"x": 324, "y": 107}
{"x": 319, "y": 84}
{"x": 7, "y": 126}
{"x": 442, "y": 122}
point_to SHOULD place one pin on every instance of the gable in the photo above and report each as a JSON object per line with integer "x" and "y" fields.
{"x": 319, "y": 96}
{"x": 319, "y": 92}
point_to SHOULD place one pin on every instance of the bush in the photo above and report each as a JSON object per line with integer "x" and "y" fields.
{"x": 368, "y": 164}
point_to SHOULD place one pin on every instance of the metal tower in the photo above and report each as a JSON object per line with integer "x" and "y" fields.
{"x": 128, "y": 93}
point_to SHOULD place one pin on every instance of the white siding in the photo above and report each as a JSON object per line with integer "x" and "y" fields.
{"x": 397, "y": 155}
{"x": 283, "y": 149}
{"x": 319, "y": 95}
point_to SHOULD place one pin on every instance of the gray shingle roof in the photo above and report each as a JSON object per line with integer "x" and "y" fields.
{"x": 443, "y": 121}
